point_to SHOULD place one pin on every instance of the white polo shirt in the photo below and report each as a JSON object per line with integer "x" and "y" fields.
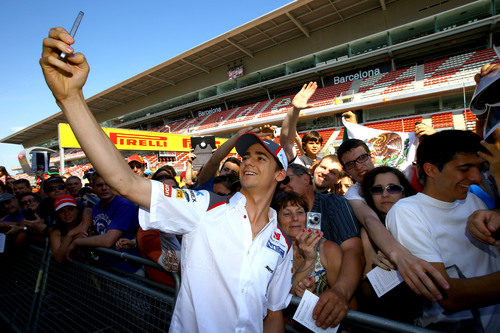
{"x": 228, "y": 280}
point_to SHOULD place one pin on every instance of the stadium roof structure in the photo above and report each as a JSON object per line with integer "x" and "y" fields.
{"x": 297, "y": 19}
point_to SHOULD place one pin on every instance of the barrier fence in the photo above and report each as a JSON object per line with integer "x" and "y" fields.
{"x": 37, "y": 294}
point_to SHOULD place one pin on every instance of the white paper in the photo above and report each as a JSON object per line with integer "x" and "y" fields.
{"x": 383, "y": 281}
{"x": 304, "y": 313}
{"x": 2, "y": 243}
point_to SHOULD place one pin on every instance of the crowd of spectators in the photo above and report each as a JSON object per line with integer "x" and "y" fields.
{"x": 342, "y": 214}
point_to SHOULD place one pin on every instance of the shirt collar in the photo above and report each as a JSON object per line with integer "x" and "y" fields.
{"x": 238, "y": 200}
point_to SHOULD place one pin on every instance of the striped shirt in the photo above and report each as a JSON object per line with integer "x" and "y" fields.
{"x": 338, "y": 222}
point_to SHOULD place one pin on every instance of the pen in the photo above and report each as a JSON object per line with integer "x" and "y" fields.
{"x": 73, "y": 30}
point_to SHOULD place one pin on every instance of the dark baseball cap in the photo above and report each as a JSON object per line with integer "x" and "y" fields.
{"x": 248, "y": 139}
{"x": 6, "y": 197}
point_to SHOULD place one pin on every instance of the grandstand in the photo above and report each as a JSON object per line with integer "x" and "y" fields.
{"x": 393, "y": 62}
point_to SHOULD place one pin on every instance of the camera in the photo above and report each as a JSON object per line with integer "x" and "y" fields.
{"x": 313, "y": 221}
{"x": 29, "y": 214}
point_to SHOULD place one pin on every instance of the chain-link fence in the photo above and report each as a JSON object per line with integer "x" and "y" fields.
{"x": 38, "y": 294}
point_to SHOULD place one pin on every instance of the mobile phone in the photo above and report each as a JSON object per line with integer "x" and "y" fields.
{"x": 313, "y": 221}
{"x": 203, "y": 147}
{"x": 29, "y": 214}
{"x": 73, "y": 30}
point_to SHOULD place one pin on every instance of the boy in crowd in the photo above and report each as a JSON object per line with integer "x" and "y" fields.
{"x": 311, "y": 141}
{"x": 431, "y": 226}
{"x": 137, "y": 164}
{"x": 113, "y": 217}
{"x": 21, "y": 186}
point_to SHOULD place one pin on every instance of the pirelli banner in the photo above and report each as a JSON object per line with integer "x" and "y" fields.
{"x": 125, "y": 139}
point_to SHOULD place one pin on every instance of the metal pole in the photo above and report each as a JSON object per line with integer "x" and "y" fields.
{"x": 61, "y": 161}
{"x": 35, "y": 304}
{"x": 386, "y": 325}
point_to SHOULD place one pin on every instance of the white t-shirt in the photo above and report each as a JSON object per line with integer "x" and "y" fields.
{"x": 354, "y": 192}
{"x": 434, "y": 231}
{"x": 229, "y": 281}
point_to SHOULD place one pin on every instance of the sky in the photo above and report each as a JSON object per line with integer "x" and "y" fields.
{"x": 119, "y": 38}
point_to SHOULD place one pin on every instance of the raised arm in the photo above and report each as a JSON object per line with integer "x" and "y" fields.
{"x": 416, "y": 272}
{"x": 210, "y": 168}
{"x": 66, "y": 80}
{"x": 289, "y": 127}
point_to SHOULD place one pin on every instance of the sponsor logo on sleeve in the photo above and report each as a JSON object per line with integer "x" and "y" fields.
{"x": 277, "y": 247}
{"x": 193, "y": 195}
{"x": 167, "y": 190}
{"x": 180, "y": 194}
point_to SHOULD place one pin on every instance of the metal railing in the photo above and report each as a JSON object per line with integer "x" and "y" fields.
{"x": 37, "y": 294}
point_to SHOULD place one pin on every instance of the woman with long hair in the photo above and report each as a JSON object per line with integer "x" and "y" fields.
{"x": 382, "y": 187}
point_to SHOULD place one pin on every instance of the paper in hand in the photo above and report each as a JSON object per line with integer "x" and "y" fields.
{"x": 304, "y": 313}
{"x": 383, "y": 281}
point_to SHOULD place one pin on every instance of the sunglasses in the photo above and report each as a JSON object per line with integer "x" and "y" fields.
{"x": 285, "y": 181}
{"x": 361, "y": 159}
{"x": 27, "y": 202}
{"x": 56, "y": 187}
{"x": 391, "y": 189}
{"x": 163, "y": 177}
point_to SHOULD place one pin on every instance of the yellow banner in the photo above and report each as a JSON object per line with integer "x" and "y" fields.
{"x": 125, "y": 139}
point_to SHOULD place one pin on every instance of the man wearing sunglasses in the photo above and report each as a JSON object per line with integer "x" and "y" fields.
{"x": 356, "y": 159}
{"x": 52, "y": 187}
{"x": 432, "y": 224}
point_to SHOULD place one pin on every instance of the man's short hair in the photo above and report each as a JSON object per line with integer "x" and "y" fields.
{"x": 25, "y": 194}
{"x": 299, "y": 170}
{"x": 226, "y": 180}
{"x": 74, "y": 177}
{"x": 50, "y": 181}
{"x": 312, "y": 136}
{"x": 233, "y": 160}
{"x": 332, "y": 158}
{"x": 442, "y": 147}
{"x": 22, "y": 181}
{"x": 348, "y": 145}
{"x": 166, "y": 168}
{"x": 94, "y": 176}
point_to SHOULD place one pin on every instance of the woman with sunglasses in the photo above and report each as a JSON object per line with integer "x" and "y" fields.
{"x": 382, "y": 187}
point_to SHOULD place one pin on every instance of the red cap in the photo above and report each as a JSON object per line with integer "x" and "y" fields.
{"x": 135, "y": 158}
{"x": 63, "y": 201}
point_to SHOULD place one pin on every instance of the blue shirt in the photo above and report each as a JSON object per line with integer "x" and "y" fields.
{"x": 120, "y": 214}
